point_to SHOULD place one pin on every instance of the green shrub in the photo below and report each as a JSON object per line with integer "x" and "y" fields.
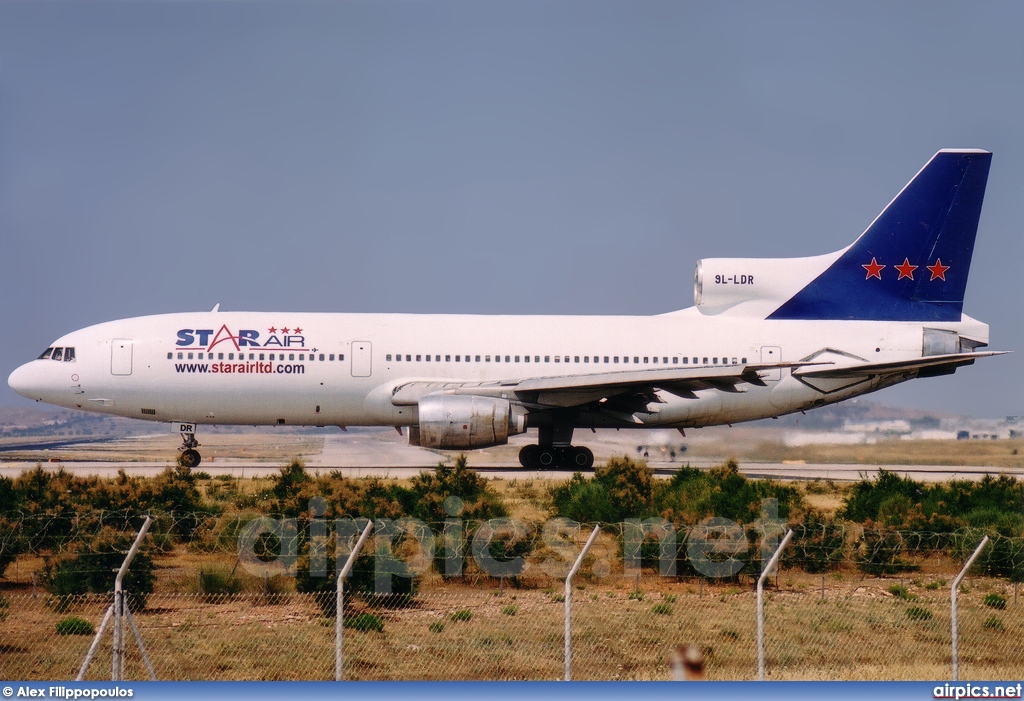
{"x": 669, "y": 598}
{"x": 918, "y": 613}
{"x": 881, "y": 553}
{"x": 993, "y": 623}
{"x": 509, "y": 610}
{"x": 218, "y": 582}
{"x": 901, "y": 592}
{"x": 994, "y": 601}
{"x": 662, "y": 609}
{"x": 93, "y": 566}
{"x": 365, "y": 622}
{"x": 436, "y": 627}
{"x": 462, "y": 615}
{"x": 635, "y": 595}
{"x": 73, "y": 625}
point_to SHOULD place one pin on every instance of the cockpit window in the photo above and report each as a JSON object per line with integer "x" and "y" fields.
{"x": 46, "y": 354}
{"x": 69, "y": 354}
{"x": 58, "y": 353}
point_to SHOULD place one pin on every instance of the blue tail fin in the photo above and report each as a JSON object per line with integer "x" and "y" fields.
{"x": 911, "y": 264}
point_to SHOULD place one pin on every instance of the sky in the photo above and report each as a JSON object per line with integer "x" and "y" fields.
{"x": 476, "y": 156}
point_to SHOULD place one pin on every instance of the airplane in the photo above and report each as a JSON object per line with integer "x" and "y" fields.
{"x": 765, "y": 337}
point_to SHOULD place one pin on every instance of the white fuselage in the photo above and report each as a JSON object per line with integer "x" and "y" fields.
{"x": 342, "y": 369}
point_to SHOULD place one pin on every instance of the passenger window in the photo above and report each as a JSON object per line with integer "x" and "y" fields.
{"x": 567, "y": 359}
{"x": 220, "y": 356}
{"x": 705, "y": 361}
{"x": 170, "y": 355}
{"x": 387, "y": 357}
{"x": 625, "y": 359}
{"x": 646, "y": 360}
{"x": 331, "y": 357}
{"x": 536, "y": 358}
{"x": 262, "y": 357}
{"x": 447, "y": 359}
{"x": 675, "y": 361}
{"x": 497, "y": 358}
{"x": 558, "y": 358}
{"x": 291, "y": 356}
{"x": 180, "y": 356}
{"x": 341, "y": 357}
{"x": 46, "y": 354}
{"x": 576, "y": 359}
{"x": 526, "y": 358}
{"x": 458, "y": 359}
{"x": 189, "y": 355}
{"x": 478, "y": 358}
{"x": 695, "y": 361}
{"x": 517, "y": 358}
{"x": 664, "y": 361}
{"x": 437, "y": 359}
{"x": 655, "y": 360}
{"x": 200, "y": 355}
{"x": 744, "y": 361}
{"x": 506, "y": 359}
{"x": 302, "y": 356}
{"x": 428, "y": 358}
{"x": 714, "y": 361}
{"x": 419, "y": 358}
{"x": 686, "y": 361}
{"x": 547, "y": 358}
{"x": 58, "y": 354}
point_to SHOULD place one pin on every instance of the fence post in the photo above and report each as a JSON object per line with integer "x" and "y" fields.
{"x": 117, "y": 663}
{"x": 340, "y": 600}
{"x": 568, "y": 601}
{"x": 953, "y": 606}
{"x": 760, "y": 602}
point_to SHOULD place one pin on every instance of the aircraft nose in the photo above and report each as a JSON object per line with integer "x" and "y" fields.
{"x": 26, "y": 381}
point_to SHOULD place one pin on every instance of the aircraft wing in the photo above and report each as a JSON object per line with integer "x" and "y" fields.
{"x": 948, "y": 361}
{"x": 575, "y": 390}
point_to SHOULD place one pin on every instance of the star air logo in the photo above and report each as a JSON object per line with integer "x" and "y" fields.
{"x": 290, "y": 337}
{"x": 905, "y": 270}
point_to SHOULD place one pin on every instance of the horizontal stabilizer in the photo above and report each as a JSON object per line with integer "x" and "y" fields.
{"x": 873, "y": 369}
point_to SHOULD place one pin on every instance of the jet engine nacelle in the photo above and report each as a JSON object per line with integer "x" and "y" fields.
{"x": 721, "y": 283}
{"x": 455, "y": 421}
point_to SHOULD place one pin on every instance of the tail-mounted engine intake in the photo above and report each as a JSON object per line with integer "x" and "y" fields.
{"x": 453, "y": 421}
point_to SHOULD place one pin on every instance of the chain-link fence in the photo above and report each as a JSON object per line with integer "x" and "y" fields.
{"x": 847, "y": 603}
{"x": 849, "y": 628}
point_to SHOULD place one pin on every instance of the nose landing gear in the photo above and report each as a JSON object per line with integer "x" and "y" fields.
{"x": 189, "y": 457}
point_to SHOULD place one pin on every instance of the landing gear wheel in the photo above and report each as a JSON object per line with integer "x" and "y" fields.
{"x": 545, "y": 457}
{"x": 529, "y": 457}
{"x": 190, "y": 458}
{"x": 582, "y": 457}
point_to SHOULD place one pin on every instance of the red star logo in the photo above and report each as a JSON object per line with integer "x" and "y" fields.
{"x": 874, "y": 269}
{"x": 296, "y": 330}
{"x": 272, "y": 330}
{"x": 284, "y": 329}
{"x": 906, "y": 270}
{"x": 938, "y": 270}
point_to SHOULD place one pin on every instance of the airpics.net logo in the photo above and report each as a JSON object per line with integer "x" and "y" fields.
{"x": 407, "y": 547}
{"x": 978, "y": 691}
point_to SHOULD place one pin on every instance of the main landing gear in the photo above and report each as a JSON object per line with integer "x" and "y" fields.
{"x": 537, "y": 457}
{"x": 189, "y": 457}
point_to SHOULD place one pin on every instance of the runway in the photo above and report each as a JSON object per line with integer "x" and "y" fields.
{"x": 386, "y": 455}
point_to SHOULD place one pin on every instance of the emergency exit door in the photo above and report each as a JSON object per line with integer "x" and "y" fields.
{"x": 771, "y": 354}
{"x": 361, "y": 358}
{"x": 121, "y": 356}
